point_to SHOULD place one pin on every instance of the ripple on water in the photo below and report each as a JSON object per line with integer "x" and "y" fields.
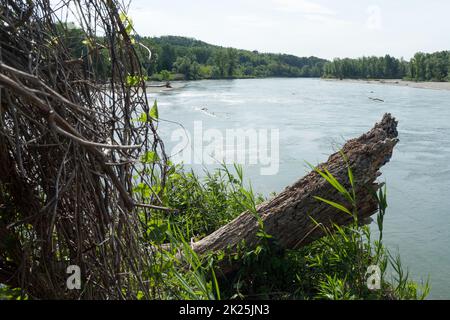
{"x": 323, "y": 114}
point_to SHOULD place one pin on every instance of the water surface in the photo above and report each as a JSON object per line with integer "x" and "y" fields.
{"x": 314, "y": 117}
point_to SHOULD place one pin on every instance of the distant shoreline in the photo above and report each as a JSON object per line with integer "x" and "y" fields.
{"x": 179, "y": 84}
{"x": 399, "y": 82}
{"x": 156, "y": 86}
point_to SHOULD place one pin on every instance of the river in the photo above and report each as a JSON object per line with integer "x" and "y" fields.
{"x": 313, "y": 117}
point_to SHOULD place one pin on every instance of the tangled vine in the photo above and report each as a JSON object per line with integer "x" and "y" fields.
{"x": 71, "y": 150}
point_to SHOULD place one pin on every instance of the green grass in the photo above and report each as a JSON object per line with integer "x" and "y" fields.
{"x": 333, "y": 267}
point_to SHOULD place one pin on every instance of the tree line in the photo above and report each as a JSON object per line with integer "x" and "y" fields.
{"x": 175, "y": 57}
{"x": 422, "y": 67}
{"x": 385, "y": 67}
{"x": 195, "y": 59}
{"x": 430, "y": 66}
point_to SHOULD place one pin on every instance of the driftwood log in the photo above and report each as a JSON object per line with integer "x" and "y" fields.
{"x": 289, "y": 216}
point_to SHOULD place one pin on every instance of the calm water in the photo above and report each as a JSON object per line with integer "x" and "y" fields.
{"x": 313, "y": 117}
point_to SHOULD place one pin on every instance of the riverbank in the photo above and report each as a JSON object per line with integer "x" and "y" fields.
{"x": 312, "y": 117}
{"x": 399, "y": 82}
{"x": 159, "y": 86}
{"x": 156, "y": 86}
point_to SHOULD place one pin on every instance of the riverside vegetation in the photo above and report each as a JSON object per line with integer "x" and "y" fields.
{"x": 176, "y": 58}
{"x": 116, "y": 237}
{"x": 333, "y": 267}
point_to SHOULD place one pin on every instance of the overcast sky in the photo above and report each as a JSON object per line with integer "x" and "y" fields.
{"x": 323, "y": 28}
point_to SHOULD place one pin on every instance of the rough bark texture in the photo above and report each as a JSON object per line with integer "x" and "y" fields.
{"x": 289, "y": 216}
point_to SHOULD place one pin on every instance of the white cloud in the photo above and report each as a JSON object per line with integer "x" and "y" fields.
{"x": 311, "y": 11}
{"x": 374, "y": 20}
{"x": 328, "y": 20}
{"x": 250, "y": 21}
{"x": 303, "y": 6}
{"x": 322, "y": 28}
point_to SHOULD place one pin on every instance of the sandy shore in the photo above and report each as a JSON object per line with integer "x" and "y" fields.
{"x": 402, "y": 83}
{"x": 156, "y": 87}
{"x": 393, "y": 82}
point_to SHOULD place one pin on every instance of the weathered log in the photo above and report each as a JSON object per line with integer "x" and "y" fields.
{"x": 288, "y": 217}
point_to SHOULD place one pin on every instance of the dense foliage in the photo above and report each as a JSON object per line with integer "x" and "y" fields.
{"x": 430, "y": 66}
{"x": 385, "y": 67}
{"x": 198, "y": 60}
{"x": 174, "y": 57}
{"x": 333, "y": 267}
{"x": 422, "y": 67}
{"x": 194, "y": 59}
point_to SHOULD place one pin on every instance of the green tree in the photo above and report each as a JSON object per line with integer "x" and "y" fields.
{"x": 232, "y": 60}
{"x": 220, "y": 61}
{"x": 167, "y": 57}
{"x": 188, "y": 67}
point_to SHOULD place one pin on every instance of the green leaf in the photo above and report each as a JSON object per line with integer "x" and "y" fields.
{"x": 123, "y": 17}
{"x": 149, "y": 157}
{"x": 129, "y": 28}
{"x": 135, "y": 80}
{"x": 154, "y": 111}
{"x": 335, "y": 205}
{"x": 88, "y": 42}
{"x": 263, "y": 235}
{"x": 350, "y": 177}
{"x": 130, "y": 80}
{"x": 127, "y": 22}
{"x": 142, "y": 117}
{"x": 333, "y": 182}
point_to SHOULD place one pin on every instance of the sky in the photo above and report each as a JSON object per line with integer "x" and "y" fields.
{"x": 322, "y": 28}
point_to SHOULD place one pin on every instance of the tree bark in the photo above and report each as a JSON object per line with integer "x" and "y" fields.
{"x": 289, "y": 217}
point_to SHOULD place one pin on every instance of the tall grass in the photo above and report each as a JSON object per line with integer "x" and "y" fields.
{"x": 333, "y": 267}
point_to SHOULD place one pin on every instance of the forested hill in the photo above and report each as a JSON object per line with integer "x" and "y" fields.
{"x": 196, "y": 59}
{"x": 175, "y": 57}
